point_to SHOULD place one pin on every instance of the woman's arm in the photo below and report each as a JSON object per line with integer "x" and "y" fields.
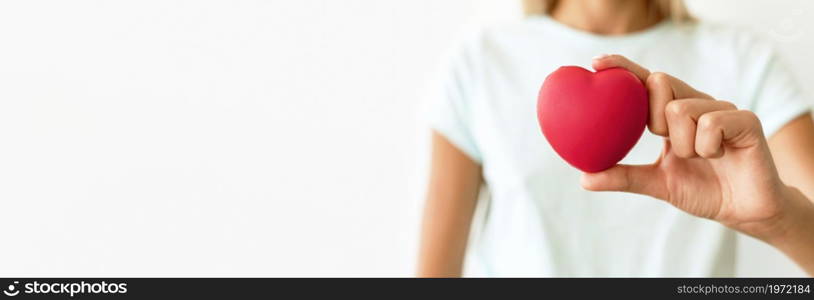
{"x": 451, "y": 198}
{"x": 793, "y": 150}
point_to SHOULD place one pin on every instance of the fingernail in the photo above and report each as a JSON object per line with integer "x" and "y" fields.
{"x": 601, "y": 56}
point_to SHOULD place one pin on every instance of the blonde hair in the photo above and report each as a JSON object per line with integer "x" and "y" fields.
{"x": 675, "y": 10}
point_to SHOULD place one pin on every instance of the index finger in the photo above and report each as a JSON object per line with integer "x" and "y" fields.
{"x": 606, "y": 61}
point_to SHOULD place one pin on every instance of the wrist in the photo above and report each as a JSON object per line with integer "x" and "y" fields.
{"x": 795, "y": 212}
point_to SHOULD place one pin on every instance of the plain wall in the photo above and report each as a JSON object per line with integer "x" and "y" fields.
{"x": 251, "y": 138}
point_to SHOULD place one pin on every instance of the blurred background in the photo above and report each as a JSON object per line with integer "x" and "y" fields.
{"x": 247, "y": 138}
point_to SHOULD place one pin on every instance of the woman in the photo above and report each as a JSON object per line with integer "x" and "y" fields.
{"x": 733, "y": 130}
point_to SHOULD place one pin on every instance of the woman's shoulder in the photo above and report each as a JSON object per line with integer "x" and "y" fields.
{"x": 483, "y": 41}
{"x": 740, "y": 41}
{"x": 485, "y": 35}
{"x": 513, "y": 31}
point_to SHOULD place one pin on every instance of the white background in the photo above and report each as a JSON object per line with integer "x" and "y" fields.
{"x": 251, "y": 138}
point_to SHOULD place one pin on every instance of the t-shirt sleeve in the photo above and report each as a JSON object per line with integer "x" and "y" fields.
{"x": 450, "y": 103}
{"x": 777, "y": 98}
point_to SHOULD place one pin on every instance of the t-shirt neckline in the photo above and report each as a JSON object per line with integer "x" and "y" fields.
{"x": 577, "y": 35}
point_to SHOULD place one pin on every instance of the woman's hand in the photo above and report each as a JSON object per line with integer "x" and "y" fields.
{"x": 715, "y": 164}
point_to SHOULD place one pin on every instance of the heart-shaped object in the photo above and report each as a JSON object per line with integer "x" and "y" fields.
{"x": 592, "y": 120}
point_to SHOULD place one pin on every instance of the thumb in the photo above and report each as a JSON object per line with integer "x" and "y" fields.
{"x": 641, "y": 179}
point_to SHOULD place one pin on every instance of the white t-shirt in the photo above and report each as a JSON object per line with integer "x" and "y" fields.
{"x": 539, "y": 221}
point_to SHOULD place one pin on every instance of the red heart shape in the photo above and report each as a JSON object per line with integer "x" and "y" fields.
{"x": 592, "y": 120}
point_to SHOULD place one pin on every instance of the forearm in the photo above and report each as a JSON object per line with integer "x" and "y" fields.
{"x": 441, "y": 256}
{"x": 454, "y": 185}
{"x": 794, "y": 233}
{"x": 445, "y": 233}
